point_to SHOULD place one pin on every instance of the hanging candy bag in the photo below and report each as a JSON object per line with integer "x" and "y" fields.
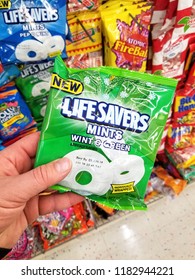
{"x": 126, "y": 31}
{"x": 15, "y": 116}
{"x": 86, "y": 33}
{"x": 82, "y": 5}
{"x": 32, "y": 31}
{"x": 34, "y": 80}
{"x": 184, "y": 102}
{"x": 170, "y": 42}
{"x": 159, "y": 11}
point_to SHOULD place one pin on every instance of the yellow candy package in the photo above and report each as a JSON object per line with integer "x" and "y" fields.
{"x": 85, "y": 49}
{"x": 126, "y": 32}
{"x": 85, "y": 28}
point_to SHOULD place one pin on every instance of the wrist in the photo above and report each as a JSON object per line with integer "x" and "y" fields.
{"x": 5, "y": 243}
{"x": 5, "y": 246}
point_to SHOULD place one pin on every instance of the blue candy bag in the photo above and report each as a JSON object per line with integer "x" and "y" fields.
{"x": 15, "y": 116}
{"x": 32, "y": 31}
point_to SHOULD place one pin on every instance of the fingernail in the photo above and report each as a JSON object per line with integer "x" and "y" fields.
{"x": 63, "y": 165}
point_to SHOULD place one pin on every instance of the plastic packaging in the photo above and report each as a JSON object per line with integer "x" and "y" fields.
{"x": 85, "y": 48}
{"x": 15, "y": 116}
{"x": 184, "y": 102}
{"x": 32, "y": 31}
{"x": 34, "y": 80}
{"x": 126, "y": 31}
{"x": 82, "y": 5}
{"x": 99, "y": 113}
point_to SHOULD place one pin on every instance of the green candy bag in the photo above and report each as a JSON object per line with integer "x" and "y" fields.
{"x": 34, "y": 80}
{"x": 109, "y": 122}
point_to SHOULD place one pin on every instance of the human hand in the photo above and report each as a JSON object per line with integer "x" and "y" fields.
{"x": 20, "y": 186}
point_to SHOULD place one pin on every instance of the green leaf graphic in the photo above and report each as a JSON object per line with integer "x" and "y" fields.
{"x": 184, "y": 20}
{"x": 186, "y": 27}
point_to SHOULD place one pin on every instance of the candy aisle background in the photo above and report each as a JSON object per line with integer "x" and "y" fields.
{"x": 107, "y": 34}
{"x": 165, "y": 232}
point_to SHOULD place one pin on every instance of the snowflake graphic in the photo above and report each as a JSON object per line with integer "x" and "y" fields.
{"x": 123, "y": 94}
{"x": 106, "y": 96}
{"x": 149, "y": 84}
{"x": 87, "y": 80}
{"x": 152, "y": 96}
{"x": 107, "y": 81}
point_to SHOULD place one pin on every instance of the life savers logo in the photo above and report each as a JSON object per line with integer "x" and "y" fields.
{"x": 103, "y": 113}
{"x": 69, "y": 85}
{"x": 5, "y": 4}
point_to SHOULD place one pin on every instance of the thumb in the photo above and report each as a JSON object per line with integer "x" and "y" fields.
{"x": 38, "y": 179}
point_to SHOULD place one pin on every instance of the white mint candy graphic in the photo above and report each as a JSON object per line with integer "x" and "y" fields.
{"x": 94, "y": 167}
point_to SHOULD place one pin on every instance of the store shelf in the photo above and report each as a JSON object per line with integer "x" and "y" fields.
{"x": 164, "y": 231}
{"x": 119, "y": 214}
{"x": 101, "y": 222}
